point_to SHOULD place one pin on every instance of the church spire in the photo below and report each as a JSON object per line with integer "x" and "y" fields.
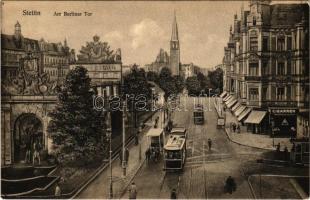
{"x": 175, "y": 35}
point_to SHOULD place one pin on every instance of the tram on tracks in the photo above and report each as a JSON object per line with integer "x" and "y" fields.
{"x": 175, "y": 152}
{"x": 199, "y": 114}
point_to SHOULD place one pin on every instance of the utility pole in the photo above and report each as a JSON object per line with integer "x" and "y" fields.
{"x": 109, "y": 133}
{"x": 124, "y": 139}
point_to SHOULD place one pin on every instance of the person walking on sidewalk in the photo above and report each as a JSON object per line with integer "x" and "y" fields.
{"x": 238, "y": 128}
{"x": 147, "y": 155}
{"x": 173, "y": 194}
{"x": 285, "y": 153}
{"x": 126, "y": 155}
{"x": 132, "y": 191}
{"x": 209, "y": 144}
{"x": 234, "y": 127}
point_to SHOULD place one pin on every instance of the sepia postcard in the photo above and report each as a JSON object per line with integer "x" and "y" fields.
{"x": 155, "y": 99}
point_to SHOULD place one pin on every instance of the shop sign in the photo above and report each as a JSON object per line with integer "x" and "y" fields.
{"x": 283, "y": 111}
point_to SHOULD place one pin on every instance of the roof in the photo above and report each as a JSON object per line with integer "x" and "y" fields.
{"x": 229, "y": 100}
{"x": 154, "y": 132}
{"x": 227, "y": 97}
{"x": 174, "y": 35}
{"x": 286, "y": 14}
{"x": 11, "y": 43}
{"x": 175, "y": 142}
{"x": 223, "y": 94}
{"x": 255, "y": 117}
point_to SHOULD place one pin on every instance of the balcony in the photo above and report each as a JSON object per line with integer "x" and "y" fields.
{"x": 252, "y": 78}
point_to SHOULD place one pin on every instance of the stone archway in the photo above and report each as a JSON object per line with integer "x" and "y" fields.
{"x": 27, "y": 129}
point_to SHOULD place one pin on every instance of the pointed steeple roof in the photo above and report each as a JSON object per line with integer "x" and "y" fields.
{"x": 175, "y": 35}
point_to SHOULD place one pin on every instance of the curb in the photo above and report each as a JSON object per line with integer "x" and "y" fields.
{"x": 102, "y": 168}
{"x": 244, "y": 144}
{"x": 130, "y": 180}
{"x": 298, "y": 189}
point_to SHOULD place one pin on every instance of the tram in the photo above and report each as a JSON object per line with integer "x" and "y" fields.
{"x": 175, "y": 152}
{"x": 198, "y": 115}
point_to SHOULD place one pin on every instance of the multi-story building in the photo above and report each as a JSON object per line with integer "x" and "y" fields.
{"x": 267, "y": 65}
{"x": 187, "y": 70}
{"x": 53, "y": 59}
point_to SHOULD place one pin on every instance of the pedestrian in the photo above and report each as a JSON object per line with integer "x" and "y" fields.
{"x": 133, "y": 191}
{"x": 238, "y": 128}
{"x": 28, "y": 149}
{"x": 173, "y": 194}
{"x": 278, "y": 147}
{"x": 209, "y": 144}
{"x": 36, "y": 154}
{"x": 230, "y": 185}
{"x": 126, "y": 155}
{"x": 136, "y": 139}
{"x": 57, "y": 190}
{"x": 234, "y": 127}
{"x": 285, "y": 153}
{"x": 147, "y": 155}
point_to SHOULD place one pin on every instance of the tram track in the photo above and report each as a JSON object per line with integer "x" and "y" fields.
{"x": 170, "y": 180}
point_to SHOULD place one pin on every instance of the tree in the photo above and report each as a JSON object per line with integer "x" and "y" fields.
{"x": 193, "y": 85}
{"x": 137, "y": 90}
{"x": 76, "y": 128}
{"x": 167, "y": 83}
{"x": 203, "y": 81}
{"x": 179, "y": 83}
{"x": 152, "y": 76}
{"x": 216, "y": 79}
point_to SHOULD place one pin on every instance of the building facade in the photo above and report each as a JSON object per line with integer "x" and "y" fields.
{"x": 266, "y": 64}
{"x": 31, "y": 71}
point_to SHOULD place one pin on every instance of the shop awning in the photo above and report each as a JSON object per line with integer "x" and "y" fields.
{"x": 227, "y": 97}
{"x": 232, "y": 103}
{"x": 244, "y": 114}
{"x": 223, "y": 94}
{"x": 230, "y": 100}
{"x": 255, "y": 117}
{"x": 235, "y": 107}
{"x": 239, "y": 110}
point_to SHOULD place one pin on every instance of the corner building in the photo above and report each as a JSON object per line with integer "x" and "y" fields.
{"x": 267, "y": 66}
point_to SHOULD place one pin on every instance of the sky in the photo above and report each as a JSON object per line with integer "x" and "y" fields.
{"x": 139, "y": 28}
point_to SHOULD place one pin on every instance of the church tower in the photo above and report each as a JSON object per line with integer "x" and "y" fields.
{"x": 175, "y": 49}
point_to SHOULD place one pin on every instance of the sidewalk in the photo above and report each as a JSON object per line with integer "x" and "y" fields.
{"x": 99, "y": 188}
{"x": 253, "y": 140}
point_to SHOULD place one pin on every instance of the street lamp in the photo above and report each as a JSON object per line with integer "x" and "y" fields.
{"x": 272, "y": 131}
{"x": 109, "y": 135}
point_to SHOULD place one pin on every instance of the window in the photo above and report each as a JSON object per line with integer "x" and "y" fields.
{"x": 289, "y": 43}
{"x": 273, "y": 43}
{"x": 253, "y": 93}
{"x": 289, "y": 67}
{"x": 241, "y": 67}
{"x": 254, "y": 21}
{"x": 280, "y": 93}
{"x": 253, "y": 43}
{"x": 293, "y": 92}
{"x": 264, "y": 93}
{"x": 265, "y": 70}
{"x": 281, "y": 68}
{"x": 253, "y": 69}
{"x": 281, "y": 42}
{"x": 265, "y": 44}
{"x": 293, "y": 71}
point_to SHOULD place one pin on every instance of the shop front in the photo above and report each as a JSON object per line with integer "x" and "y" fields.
{"x": 283, "y": 121}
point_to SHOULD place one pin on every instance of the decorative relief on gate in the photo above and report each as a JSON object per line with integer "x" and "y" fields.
{"x": 98, "y": 52}
{"x": 29, "y": 80}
